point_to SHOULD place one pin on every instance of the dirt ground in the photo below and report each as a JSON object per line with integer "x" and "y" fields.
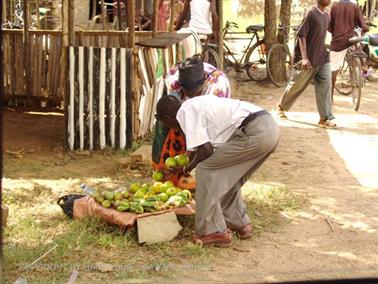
{"x": 334, "y": 172}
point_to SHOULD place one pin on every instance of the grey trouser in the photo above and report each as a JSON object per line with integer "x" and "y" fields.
{"x": 220, "y": 177}
{"x": 323, "y": 88}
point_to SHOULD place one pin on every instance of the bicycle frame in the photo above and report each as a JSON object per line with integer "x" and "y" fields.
{"x": 229, "y": 52}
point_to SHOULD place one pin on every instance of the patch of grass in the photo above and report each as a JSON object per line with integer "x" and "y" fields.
{"x": 36, "y": 224}
{"x": 265, "y": 202}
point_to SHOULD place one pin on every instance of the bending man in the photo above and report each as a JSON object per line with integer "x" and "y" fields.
{"x": 230, "y": 140}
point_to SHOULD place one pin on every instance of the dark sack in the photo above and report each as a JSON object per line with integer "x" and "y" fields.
{"x": 67, "y": 203}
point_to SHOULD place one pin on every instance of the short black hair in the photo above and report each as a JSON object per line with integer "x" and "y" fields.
{"x": 168, "y": 106}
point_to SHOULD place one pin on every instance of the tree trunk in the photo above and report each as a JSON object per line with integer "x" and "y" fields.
{"x": 270, "y": 20}
{"x": 285, "y": 16}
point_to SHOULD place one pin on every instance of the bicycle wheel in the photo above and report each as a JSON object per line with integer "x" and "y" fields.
{"x": 279, "y": 65}
{"x": 210, "y": 55}
{"x": 343, "y": 80}
{"x": 357, "y": 83}
{"x": 255, "y": 63}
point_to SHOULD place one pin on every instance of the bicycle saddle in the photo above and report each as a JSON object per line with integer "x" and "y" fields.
{"x": 254, "y": 28}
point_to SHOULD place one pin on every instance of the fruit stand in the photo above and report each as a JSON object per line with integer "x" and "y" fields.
{"x": 124, "y": 205}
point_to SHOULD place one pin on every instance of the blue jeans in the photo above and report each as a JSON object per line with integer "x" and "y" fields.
{"x": 323, "y": 87}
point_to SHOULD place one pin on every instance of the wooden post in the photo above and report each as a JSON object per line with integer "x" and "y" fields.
{"x": 103, "y": 15}
{"x": 155, "y": 17}
{"x": 90, "y": 97}
{"x": 122, "y": 105}
{"x": 71, "y": 22}
{"x": 220, "y": 51}
{"x": 37, "y": 9}
{"x": 113, "y": 98}
{"x": 71, "y": 107}
{"x": 131, "y": 22}
{"x": 131, "y": 77}
{"x": 102, "y": 90}
{"x": 4, "y": 11}
{"x": 65, "y": 17}
{"x": 81, "y": 96}
{"x": 94, "y": 8}
{"x": 119, "y": 15}
{"x": 172, "y": 19}
{"x": 27, "y": 47}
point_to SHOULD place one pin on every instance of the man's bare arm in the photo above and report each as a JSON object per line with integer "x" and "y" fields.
{"x": 203, "y": 152}
{"x": 305, "y": 62}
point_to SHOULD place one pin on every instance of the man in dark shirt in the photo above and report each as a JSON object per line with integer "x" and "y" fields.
{"x": 345, "y": 16}
{"x": 314, "y": 57}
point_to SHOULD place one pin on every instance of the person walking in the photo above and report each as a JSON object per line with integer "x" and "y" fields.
{"x": 314, "y": 65}
{"x": 230, "y": 140}
{"x": 345, "y": 17}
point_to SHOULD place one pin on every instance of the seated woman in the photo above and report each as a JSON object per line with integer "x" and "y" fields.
{"x": 188, "y": 79}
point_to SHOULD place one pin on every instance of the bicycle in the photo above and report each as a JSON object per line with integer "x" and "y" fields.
{"x": 352, "y": 69}
{"x": 255, "y": 57}
{"x": 255, "y": 69}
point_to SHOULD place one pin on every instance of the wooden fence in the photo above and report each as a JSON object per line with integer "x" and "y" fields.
{"x": 46, "y": 65}
{"x": 91, "y": 78}
{"x": 97, "y": 97}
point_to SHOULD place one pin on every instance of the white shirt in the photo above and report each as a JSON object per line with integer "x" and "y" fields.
{"x": 211, "y": 119}
{"x": 200, "y": 17}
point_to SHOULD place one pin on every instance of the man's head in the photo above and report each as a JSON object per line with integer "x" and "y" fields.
{"x": 192, "y": 76}
{"x": 324, "y": 3}
{"x": 166, "y": 111}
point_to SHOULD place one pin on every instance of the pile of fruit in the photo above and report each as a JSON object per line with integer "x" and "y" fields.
{"x": 160, "y": 195}
{"x": 144, "y": 198}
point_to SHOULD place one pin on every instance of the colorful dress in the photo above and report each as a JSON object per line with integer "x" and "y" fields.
{"x": 170, "y": 142}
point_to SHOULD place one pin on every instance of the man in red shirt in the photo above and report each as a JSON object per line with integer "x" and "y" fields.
{"x": 345, "y": 17}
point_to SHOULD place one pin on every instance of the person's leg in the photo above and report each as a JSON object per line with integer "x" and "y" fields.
{"x": 323, "y": 87}
{"x": 220, "y": 176}
{"x": 295, "y": 88}
{"x": 233, "y": 207}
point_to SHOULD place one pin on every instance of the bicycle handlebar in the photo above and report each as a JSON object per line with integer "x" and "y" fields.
{"x": 371, "y": 25}
{"x": 357, "y": 39}
{"x": 371, "y": 39}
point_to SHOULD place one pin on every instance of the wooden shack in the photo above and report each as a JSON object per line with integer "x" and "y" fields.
{"x": 107, "y": 84}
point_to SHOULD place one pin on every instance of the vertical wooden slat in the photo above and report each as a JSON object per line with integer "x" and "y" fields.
{"x": 156, "y": 17}
{"x": 27, "y": 44}
{"x": 71, "y": 22}
{"x": 65, "y": 16}
{"x": 122, "y": 126}
{"x": 220, "y": 50}
{"x": 103, "y": 15}
{"x": 81, "y": 96}
{"x": 37, "y": 9}
{"x": 172, "y": 19}
{"x": 130, "y": 78}
{"x": 102, "y": 98}
{"x": 90, "y": 97}
{"x": 71, "y": 110}
{"x": 112, "y": 98}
